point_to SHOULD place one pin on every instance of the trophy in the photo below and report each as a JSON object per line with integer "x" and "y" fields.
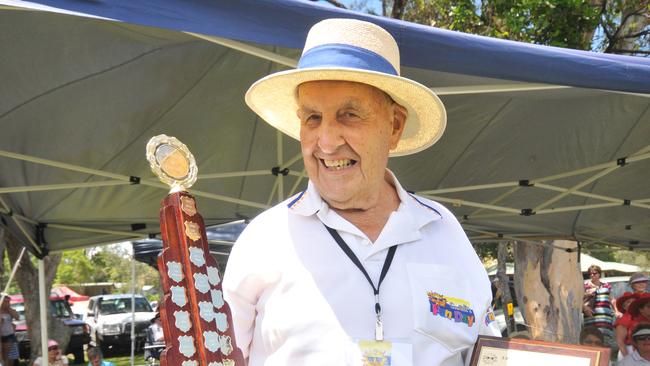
{"x": 197, "y": 322}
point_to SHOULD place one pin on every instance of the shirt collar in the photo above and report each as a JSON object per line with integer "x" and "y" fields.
{"x": 310, "y": 202}
{"x": 637, "y": 357}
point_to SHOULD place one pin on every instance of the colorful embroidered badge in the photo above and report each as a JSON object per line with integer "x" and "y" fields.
{"x": 451, "y": 308}
{"x": 489, "y": 317}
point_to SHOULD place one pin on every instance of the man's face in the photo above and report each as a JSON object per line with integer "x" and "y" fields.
{"x": 346, "y": 132}
{"x": 642, "y": 343}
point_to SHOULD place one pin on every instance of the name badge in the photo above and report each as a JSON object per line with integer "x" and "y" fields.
{"x": 386, "y": 353}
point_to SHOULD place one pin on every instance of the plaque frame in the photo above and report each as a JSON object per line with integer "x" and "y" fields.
{"x": 545, "y": 353}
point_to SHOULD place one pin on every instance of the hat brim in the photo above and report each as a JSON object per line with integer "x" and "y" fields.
{"x": 274, "y": 99}
{"x": 622, "y": 299}
{"x": 638, "y": 303}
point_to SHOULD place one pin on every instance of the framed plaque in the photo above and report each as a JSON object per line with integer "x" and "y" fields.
{"x": 493, "y": 351}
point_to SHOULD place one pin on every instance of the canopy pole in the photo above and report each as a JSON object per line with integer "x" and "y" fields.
{"x": 53, "y": 187}
{"x": 146, "y": 182}
{"x": 248, "y": 49}
{"x": 42, "y": 301}
{"x": 576, "y": 208}
{"x": 220, "y": 253}
{"x": 294, "y": 188}
{"x": 496, "y": 88}
{"x": 576, "y": 187}
{"x": 13, "y": 273}
{"x": 536, "y": 181}
{"x": 22, "y": 228}
{"x": 640, "y": 155}
{"x": 133, "y": 309}
{"x": 470, "y": 188}
{"x": 94, "y": 230}
{"x": 233, "y": 174}
{"x": 496, "y": 200}
{"x": 280, "y": 158}
{"x": 459, "y": 202}
{"x": 275, "y": 187}
{"x": 537, "y": 240}
{"x": 292, "y": 161}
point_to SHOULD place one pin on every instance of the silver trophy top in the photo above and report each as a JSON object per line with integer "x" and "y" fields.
{"x": 172, "y": 162}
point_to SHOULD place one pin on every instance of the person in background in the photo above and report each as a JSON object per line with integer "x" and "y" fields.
{"x": 96, "y": 358}
{"x": 7, "y": 332}
{"x": 639, "y": 283}
{"x": 624, "y": 323}
{"x": 597, "y": 305}
{"x": 157, "y": 335}
{"x": 591, "y": 336}
{"x": 155, "y": 339}
{"x": 623, "y": 303}
{"x": 54, "y": 356}
{"x": 640, "y": 314}
{"x": 640, "y": 356}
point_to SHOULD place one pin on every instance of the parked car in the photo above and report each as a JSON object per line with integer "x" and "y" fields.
{"x": 59, "y": 308}
{"x": 109, "y": 318}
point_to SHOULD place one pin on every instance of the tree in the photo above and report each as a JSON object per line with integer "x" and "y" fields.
{"x": 549, "y": 289}
{"x": 75, "y": 267}
{"x": 27, "y": 280}
{"x": 611, "y": 26}
{"x": 111, "y": 263}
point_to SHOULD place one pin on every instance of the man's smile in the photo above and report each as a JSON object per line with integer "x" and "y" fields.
{"x": 338, "y": 164}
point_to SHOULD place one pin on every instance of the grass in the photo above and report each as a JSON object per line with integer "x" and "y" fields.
{"x": 119, "y": 358}
{"x": 126, "y": 360}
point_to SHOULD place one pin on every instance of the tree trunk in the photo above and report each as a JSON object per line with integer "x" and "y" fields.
{"x": 398, "y": 9}
{"x": 549, "y": 289}
{"x": 27, "y": 280}
{"x": 503, "y": 285}
{"x": 3, "y": 246}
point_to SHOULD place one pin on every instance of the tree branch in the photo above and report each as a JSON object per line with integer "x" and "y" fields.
{"x": 638, "y": 34}
{"x": 620, "y": 50}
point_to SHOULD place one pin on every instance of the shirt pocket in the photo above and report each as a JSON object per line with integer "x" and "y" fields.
{"x": 444, "y": 309}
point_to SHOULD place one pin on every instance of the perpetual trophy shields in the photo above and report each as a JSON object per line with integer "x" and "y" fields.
{"x": 197, "y": 323}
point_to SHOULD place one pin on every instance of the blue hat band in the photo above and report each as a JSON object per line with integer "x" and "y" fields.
{"x": 342, "y": 55}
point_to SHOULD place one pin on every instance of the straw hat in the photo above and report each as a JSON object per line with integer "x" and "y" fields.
{"x": 357, "y": 51}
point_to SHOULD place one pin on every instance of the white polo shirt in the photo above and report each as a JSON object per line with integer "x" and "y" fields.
{"x": 633, "y": 359}
{"x": 297, "y": 299}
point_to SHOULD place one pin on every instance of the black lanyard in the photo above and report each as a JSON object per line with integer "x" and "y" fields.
{"x": 389, "y": 259}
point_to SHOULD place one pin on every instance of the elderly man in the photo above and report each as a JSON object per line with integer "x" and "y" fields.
{"x": 641, "y": 341}
{"x": 354, "y": 270}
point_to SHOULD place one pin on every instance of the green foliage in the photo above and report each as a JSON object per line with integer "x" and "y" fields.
{"x": 4, "y": 277}
{"x": 105, "y": 264}
{"x": 617, "y": 254}
{"x": 75, "y": 267}
{"x": 488, "y": 252}
{"x": 561, "y": 23}
{"x": 614, "y": 26}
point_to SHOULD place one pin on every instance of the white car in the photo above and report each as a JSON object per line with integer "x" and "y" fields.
{"x": 110, "y": 319}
